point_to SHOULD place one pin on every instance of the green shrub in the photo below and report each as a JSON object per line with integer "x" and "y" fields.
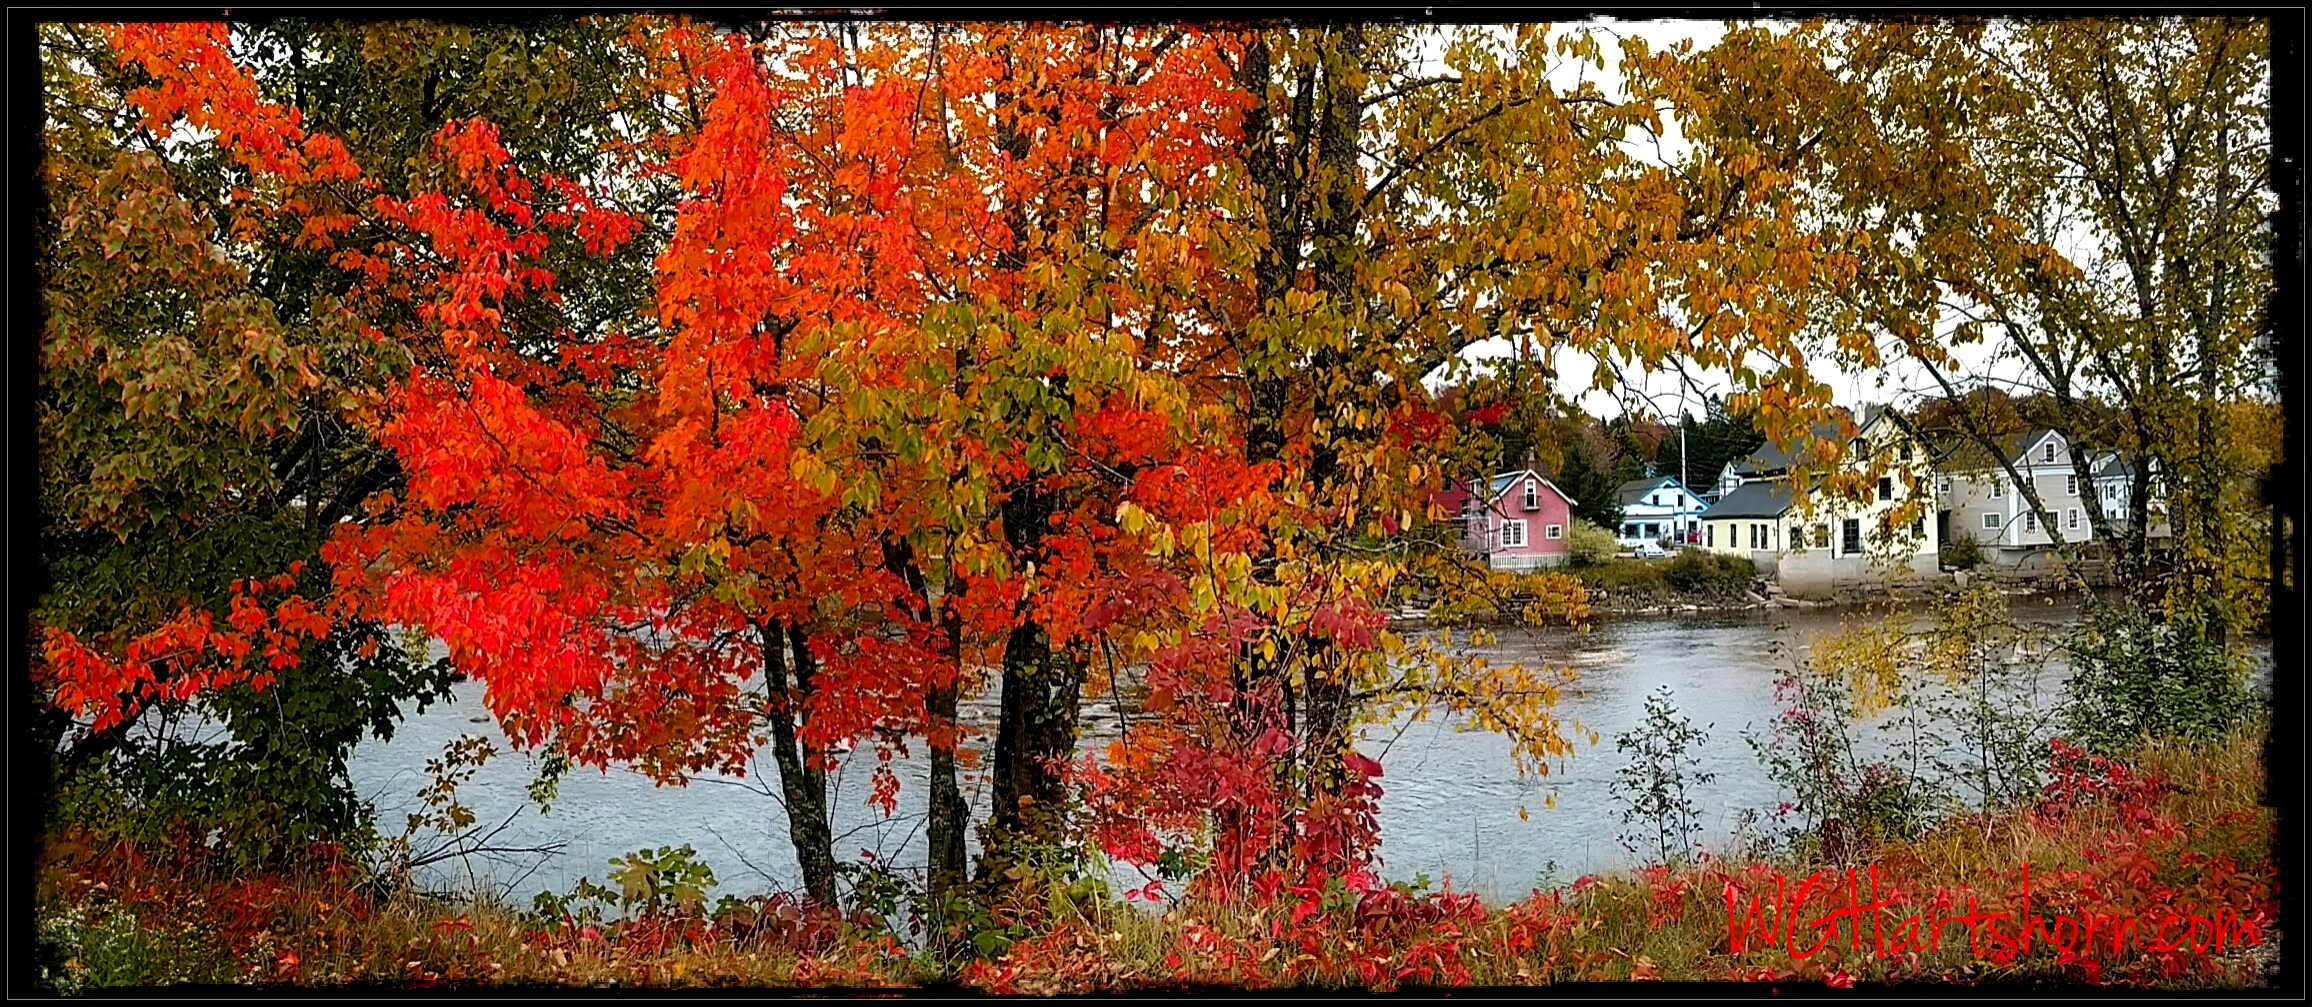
{"x": 273, "y": 781}
{"x": 1693, "y": 571}
{"x": 1589, "y": 545}
{"x": 1962, "y": 552}
{"x": 2137, "y": 677}
{"x": 1659, "y": 817}
{"x": 1623, "y": 576}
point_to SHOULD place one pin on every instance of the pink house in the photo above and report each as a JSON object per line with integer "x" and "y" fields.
{"x": 1519, "y": 523}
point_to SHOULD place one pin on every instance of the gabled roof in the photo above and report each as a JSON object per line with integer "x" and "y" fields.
{"x": 1636, "y": 489}
{"x": 1502, "y": 482}
{"x": 2111, "y": 465}
{"x": 2027, "y": 440}
{"x": 1962, "y": 454}
{"x": 1765, "y": 499}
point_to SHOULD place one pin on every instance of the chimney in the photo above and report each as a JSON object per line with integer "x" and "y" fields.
{"x": 1529, "y": 460}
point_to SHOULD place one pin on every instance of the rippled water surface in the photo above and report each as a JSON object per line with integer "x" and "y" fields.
{"x": 1450, "y": 809}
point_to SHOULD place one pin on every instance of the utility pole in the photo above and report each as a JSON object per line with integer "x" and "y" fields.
{"x": 1683, "y": 522}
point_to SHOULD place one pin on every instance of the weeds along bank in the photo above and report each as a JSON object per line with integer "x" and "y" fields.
{"x": 2135, "y": 849}
{"x": 2174, "y": 831}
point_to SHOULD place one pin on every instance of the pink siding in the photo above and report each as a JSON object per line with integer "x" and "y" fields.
{"x": 1553, "y": 510}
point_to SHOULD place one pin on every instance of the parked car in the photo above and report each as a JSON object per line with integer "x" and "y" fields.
{"x": 1650, "y": 550}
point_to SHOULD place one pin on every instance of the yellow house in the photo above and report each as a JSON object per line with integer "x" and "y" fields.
{"x": 1892, "y": 522}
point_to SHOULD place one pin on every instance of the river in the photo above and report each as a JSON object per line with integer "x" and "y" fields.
{"x": 1451, "y": 805}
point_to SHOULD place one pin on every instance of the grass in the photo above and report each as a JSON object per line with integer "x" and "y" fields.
{"x": 2187, "y": 827}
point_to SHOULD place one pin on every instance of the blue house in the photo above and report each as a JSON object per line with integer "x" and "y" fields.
{"x": 1660, "y": 509}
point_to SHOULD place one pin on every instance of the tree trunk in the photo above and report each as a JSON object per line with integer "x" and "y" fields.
{"x": 1326, "y": 730}
{"x": 802, "y": 776}
{"x": 1268, "y": 381}
{"x": 2212, "y": 468}
{"x": 949, "y": 814}
{"x": 1036, "y": 732}
{"x": 1035, "y": 739}
{"x": 1325, "y": 112}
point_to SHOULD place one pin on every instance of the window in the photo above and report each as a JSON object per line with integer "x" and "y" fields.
{"x": 1991, "y": 521}
{"x": 1630, "y": 531}
{"x": 2111, "y": 491}
{"x": 1944, "y": 485}
{"x": 1822, "y": 536}
{"x": 1852, "y": 534}
{"x": 1532, "y": 496}
{"x": 2071, "y": 486}
{"x": 1754, "y": 537}
{"x": 1998, "y": 488}
{"x": 1512, "y": 534}
{"x": 2047, "y": 451}
{"x": 2030, "y": 520}
{"x": 1919, "y": 526}
{"x": 1681, "y": 501}
{"x": 2071, "y": 518}
{"x": 1654, "y": 500}
{"x": 1886, "y": 488}
{"x": 1710, "y": 536}
{"x": 1555, "y": 531}
{"x": 1653, "y": 531}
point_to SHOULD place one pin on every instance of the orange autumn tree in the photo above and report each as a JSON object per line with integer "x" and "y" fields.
{"x": 214, "y": 356}
{"x": 869, "y": 444}
{"x": 614, "y": 533}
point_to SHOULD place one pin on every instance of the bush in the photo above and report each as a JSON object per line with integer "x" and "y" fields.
{"x": 1694, "y": 571}
{"x": 2139, "y": 678}
{"x": 1841, "y": 807}
{"x": 1589, "y": 545}
{"x": 1623, "y": 576}
{"x": 273, "y": 782}
{"x": 1962, "y": 552}
{"x": 1658, "y": 815}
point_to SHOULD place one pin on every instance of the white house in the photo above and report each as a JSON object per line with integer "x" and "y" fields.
{"x": 1980, "y": 500}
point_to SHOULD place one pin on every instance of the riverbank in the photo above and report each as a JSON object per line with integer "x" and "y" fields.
{"x": 1632, "y": 587}
{"x": 2185, "y": 828}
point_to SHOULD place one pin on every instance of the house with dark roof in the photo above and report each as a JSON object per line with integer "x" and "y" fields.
{"x": 1772, "y": 461}
{"x": 1660, "y": 509}
{"x": 1884, "y": 520}
{"x": 1754, "y": 517}
{"x": 1517, "y": 520}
